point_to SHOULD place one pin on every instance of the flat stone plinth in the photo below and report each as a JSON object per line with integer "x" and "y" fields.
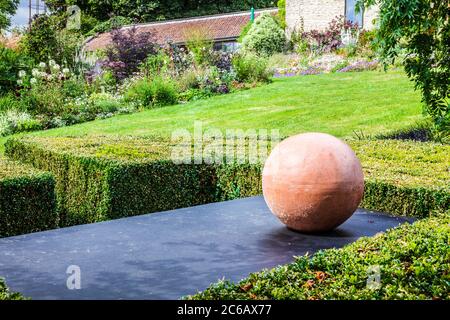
{"x": 169, "y": 254}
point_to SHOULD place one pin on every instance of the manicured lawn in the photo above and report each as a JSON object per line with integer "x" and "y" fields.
{"x": 339, "y": 104}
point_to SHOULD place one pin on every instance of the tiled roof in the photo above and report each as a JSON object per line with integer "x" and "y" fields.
{"x": 217, "y": 27}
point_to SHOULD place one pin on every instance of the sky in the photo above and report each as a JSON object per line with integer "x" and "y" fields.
{"x": 21, "y": 16}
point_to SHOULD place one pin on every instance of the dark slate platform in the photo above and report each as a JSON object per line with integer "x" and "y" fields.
{"x": 166, "y": 255}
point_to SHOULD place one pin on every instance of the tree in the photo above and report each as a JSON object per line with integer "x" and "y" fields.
{"x": 152, "y": 10}
{"x": 421, "y": 30}
{"x": 7, "y": 8}
{"x": 265, "y": 36}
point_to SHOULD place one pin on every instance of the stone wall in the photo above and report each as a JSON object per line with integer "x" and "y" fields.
{"x": 316, "y": 14}
{"x": 369, "y": 15}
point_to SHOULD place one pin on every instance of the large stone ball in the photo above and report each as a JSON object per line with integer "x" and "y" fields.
{"x": 312, "y": 182}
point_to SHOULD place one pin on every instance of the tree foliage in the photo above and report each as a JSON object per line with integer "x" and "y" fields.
{"x": 7, "y": 8}
{"x": 48, "y": 39}
{"x": 145, "y": 11}
{"x": 265, "y": 36}
{"x": 128, "y": 50}
{"x": 421, "y": 30}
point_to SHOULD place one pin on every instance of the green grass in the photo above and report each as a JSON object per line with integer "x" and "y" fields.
{"x": 369, "y": 102}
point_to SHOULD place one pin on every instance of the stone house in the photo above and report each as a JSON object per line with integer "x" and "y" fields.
{"x": 317, "y": 14}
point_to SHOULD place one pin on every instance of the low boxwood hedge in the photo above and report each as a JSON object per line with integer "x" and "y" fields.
{"x": 105, "y": 178}
{"x": 27, "y": 199}
{"x": 413, "y": 263}
{"x": 6, "y": 294}
{"x": 101, "y": 178}
{"x": 405, "y": 177}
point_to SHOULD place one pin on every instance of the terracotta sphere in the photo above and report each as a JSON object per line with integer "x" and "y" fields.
{"x": 312, "y": 182}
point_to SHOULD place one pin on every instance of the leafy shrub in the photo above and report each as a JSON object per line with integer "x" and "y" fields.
{"x": 200, "y": 83}
{"x": 87, "y": 23}
{"x": 27, "y": 199}
{"x": 40, "y": 42}
{"x": 105, "y": 81}
{"x": 164, "y": 92}
{"x": 128, "y": 50}
{"x": 8, "y": 102}
{"x": 45, "y": 98}
{"x": 282, "y": 13}
{"x": 200, "y": 46}
{"x": 245, "y": 29}
{"x": 265, "y": 36}
{"x": 420, "y": 29}
{"x": 153, "y": 92}
{"x": 347, "y": 51}
{"x": 179, "y": 58}
{"x": 190, "y": 79}
{"x": 156, "y": 65}
{"x": 367, "y": 43}
{"x": 47, "y": 39}
{"x": 108, "y": 25}
{"x": 11, "y": 62}
{"x": 329, "y": 39}
{"x": 251, "y": 68}
{"x": 73, "y": 87}
{"x": 103, "y": 103}
{"x": 194, "y": 94}
{"x": 69, "y": 44}
{"x": 13, "y": 121}
{"x": 49, "y": 89}
{"x": 6, "y": 294}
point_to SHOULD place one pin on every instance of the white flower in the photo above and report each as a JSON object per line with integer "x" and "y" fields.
{"x": 33, "y": 80}
{"x": 35, "y": 72}
{"x": 22, "y": 73}
{"x": 42, "y": 65}
{"x": 19, "y": 82}
{"x": 66, "y": 71}
{"x": 51, "y": 63}
{"x": 56, "y": 67}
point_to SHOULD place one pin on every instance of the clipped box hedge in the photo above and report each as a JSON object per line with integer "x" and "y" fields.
{"x": 412, "y": 261}
{"x": 405, "y": 177}
{"x": 6, "y": 294}
{"x": 105, "y": 178}
{"x": 101, "y": 178}
{"x": 27, "y": 199}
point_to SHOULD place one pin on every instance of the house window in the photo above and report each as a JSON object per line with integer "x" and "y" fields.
{"x": 231, "y": 46}
{"x": 350, "y": 13}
